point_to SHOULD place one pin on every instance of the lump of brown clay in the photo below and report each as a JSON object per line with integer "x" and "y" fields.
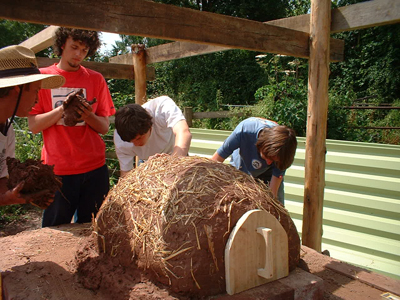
{"x": 71, "y": 115}
{"x": 40, "y": 183}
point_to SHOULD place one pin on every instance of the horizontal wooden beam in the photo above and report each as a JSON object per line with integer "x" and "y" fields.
{"x": 151, "y": 19}
{"x": 357, "y": 16}
{"x": 116, "y": 71}
{"x": 371, "y": 107}
{"x": 170, "y": 51}
{"x": 365, "y": 15}
{"x": 352, "y": 17}
{"x": 216, "y": 114}
{"x": 177, "y": 50}
{"x": 41, "y": 40}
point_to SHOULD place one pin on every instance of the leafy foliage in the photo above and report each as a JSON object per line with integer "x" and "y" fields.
{"x": 11, "y": 213}
{"x": 372, "y": 64}
{"x": 27, "y": 145}
{"x": 13, "y": 33}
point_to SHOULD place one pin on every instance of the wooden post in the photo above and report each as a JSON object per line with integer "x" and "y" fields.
{"x": 139, "y": 67}
{"x": 318, "y": 74}
{"x": 188, "y": 113}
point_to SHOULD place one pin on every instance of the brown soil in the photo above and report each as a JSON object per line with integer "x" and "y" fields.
{"x": 40, "y": 264}
{"x": 30, "y": 219}
{"x": 66, "y": 262}
{"x": 71, "y": 107}
{"x": 39, "y": 183}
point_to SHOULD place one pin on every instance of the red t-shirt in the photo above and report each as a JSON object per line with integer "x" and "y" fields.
{"x": 78, "y": 149}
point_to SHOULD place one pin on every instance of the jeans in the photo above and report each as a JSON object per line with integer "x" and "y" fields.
{"x": 266, "y": 178}
{"x": 81, "y": 195}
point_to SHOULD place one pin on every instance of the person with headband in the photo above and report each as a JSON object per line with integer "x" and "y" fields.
{"x": 20, "y": 82}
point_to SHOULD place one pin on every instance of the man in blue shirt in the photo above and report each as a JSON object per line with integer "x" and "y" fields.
{"x": 263, "y": 149}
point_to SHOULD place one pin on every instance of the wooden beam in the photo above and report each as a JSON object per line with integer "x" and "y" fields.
{"x": 41, "y": 40}
{"x": 151, "y": 19}
{"x": 170, "y": 51}
{"x": 317, "y": 114}
{"x": 108, "y": 70}
{"x": 177, "y": 50}
{"x": 139, "y": 65}
{"x": 365, "y": 15}
{"x": 188, "y": 113}
{"x": 352, "y": 17}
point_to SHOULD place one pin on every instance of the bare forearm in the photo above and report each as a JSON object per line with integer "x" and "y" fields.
{"x": 274, "y": 185}
{"x": 38, "y": 123}
{"x": 217, "y": 157}
{"x": 182, "y": 143}
{"x": 97, "y": 123}
{"x": 123, "y": 173}
{"x": 8, "y": 197}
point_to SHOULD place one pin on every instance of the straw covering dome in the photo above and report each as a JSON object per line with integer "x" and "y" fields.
{"x": 172, "y": 217}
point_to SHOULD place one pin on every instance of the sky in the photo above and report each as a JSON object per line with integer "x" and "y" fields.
{"x": 109, "y": 39}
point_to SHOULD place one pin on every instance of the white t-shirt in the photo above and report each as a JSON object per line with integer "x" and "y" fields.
{"x": 166, "y": 114}
{"x": 7, "y": 149}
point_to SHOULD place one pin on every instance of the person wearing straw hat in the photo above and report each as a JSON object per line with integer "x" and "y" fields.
{"x": 77, "y": 152}
{"x": 20, "y": 82}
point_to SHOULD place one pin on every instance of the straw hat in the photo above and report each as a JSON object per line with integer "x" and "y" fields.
{"x": 18, "y": 66}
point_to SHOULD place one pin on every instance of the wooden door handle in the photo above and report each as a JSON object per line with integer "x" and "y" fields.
{"x": 268, "y": 270}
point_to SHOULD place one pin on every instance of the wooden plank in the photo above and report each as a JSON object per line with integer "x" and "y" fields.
{"x": 108, "y": 70}
{"x": 188, "y": 113}
{"x": 301, "y": 22}
{"x": 317, "y": 113}
{"x": 365, "y": 15}
{"x": 357, "y": 16}
{"x": 139, "y": 66}
{"x": 177, "y": 50}
{"x": 146, "y": 18}
{"x": 166, "y": 52}
{"x": 216, "y": 114}
{"x": 375, "y": 280}
{"x": 41, "y": 40}
{"x": 351, "y": 17}
{"x": 170, "y": 51}
{"x": 246, "y": 252}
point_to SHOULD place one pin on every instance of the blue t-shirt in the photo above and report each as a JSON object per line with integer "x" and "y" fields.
{"x": 241, "y": 144}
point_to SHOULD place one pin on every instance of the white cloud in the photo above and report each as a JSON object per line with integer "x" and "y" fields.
{"x": 109, "y": 40}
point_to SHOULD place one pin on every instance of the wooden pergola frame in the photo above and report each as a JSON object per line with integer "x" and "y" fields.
{"x": 197, "y": 32}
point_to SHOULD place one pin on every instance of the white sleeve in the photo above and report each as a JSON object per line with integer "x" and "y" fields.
{"x": 124, "y": 151}
{"x": 7, "y": 151}
{"x": 171, "y": 113}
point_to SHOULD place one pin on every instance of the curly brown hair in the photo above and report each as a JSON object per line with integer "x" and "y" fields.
{"x": 88, "y": 37}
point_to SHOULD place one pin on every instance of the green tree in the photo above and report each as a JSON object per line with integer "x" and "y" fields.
{"x": 13, "y": 32}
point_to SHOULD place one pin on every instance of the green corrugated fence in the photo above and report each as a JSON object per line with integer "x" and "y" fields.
{"x": 361, "y": 202}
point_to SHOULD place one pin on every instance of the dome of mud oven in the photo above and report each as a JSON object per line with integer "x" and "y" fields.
{"x": 172, "y": 217}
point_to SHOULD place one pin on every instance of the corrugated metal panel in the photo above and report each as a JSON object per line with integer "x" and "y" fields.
{"x": 361, "y": 201}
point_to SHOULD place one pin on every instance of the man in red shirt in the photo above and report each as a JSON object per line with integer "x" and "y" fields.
{"x": 77, "y": 152}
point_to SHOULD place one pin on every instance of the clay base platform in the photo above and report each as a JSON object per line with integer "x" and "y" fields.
{"x": 39, "y": 264}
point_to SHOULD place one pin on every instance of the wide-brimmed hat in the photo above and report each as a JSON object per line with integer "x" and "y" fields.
{"x": 18, "y": 66}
